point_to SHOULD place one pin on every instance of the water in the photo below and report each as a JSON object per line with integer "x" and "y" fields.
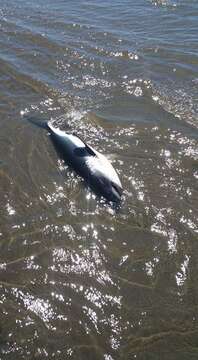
{"x": 79, "y": 280}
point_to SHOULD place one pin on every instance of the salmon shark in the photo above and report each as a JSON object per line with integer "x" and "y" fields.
{"x": 87, "y": 162}
{"x": 94, "y": 167}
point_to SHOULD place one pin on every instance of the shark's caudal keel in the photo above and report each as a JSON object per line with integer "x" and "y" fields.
{"x": 88, "y": 163}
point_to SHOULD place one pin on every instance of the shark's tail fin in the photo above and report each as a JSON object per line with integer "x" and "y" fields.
{"x": 43, "y": 124}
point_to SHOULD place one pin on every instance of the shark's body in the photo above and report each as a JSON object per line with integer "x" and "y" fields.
{"x": 88, "y": 163}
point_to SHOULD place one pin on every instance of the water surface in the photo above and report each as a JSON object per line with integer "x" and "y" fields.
{"x": 79, "y": 280}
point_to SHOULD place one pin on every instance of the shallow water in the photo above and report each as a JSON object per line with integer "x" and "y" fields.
{"x": 79, "y": 280}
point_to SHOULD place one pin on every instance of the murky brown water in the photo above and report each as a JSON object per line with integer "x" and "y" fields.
{"x": 79, "y": 280}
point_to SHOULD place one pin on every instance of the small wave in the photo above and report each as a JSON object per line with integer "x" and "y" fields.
{"x": 165, "y": 3}
{"x": 17, "y": 73}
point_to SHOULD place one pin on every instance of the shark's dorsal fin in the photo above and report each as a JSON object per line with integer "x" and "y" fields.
{"x": 84, "y": 151}
{"x": 90, "y": 150}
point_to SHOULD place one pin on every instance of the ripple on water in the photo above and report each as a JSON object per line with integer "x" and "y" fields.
{"x": 78, "y": 278}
